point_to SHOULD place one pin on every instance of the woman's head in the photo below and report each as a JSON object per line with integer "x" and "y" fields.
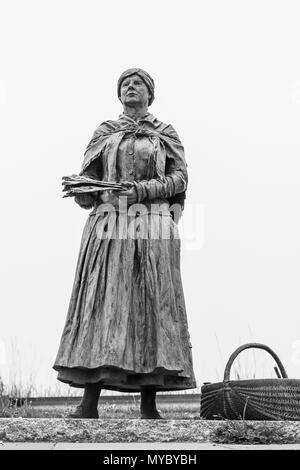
{"x": 136, "y": 87}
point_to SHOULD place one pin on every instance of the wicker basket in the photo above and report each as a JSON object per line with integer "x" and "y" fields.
{"x": 255, "y": 399}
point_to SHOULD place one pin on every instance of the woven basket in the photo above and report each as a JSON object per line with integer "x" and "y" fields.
{"x": 255, "y": 399}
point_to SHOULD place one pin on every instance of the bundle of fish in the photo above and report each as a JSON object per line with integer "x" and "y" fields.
{"x": 75, "y": 184}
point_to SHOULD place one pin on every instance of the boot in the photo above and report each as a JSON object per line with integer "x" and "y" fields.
{"x": 148, "y": 404}
{"x": 89, "y": 403}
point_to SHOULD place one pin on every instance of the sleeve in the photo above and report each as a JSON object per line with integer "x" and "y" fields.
{"x": 174, "y": 180}
{"x": 93, "y": 170}
{"x": 95, "y": 147}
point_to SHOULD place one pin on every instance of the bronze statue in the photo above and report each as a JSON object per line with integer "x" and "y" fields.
{"x": 126, "y": 327}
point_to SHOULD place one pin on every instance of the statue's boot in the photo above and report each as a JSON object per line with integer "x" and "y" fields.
{"x": 89, "y": 403}
{"x": 148, "y": 404}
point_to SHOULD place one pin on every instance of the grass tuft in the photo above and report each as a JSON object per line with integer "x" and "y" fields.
{"x": 243, "y": 432}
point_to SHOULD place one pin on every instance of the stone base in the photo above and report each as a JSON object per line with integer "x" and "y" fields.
{"x": 136, "y": 430}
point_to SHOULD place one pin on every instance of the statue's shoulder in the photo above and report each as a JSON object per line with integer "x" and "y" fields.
{"x": 165, "y": 129}
{"x": 107, "y": 127}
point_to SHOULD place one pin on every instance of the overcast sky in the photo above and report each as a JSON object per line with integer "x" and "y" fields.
{"x": 227, "y": 77}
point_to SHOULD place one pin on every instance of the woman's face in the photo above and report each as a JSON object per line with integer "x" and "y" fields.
{"x": 134, "y": 91}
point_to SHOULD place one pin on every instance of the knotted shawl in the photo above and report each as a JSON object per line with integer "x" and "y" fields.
{"x": 108, "y": 136}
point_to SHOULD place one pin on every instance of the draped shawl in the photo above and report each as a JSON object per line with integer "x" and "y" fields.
{"x": 108, "y": 136}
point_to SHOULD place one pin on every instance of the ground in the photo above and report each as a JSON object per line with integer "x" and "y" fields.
{"x": 137, "y": 430}
{"x": 120, "y": 423}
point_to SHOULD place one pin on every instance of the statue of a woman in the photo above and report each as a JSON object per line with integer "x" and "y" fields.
{"x": 126, "y": 327}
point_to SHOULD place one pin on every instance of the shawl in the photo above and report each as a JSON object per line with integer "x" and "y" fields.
{"x": 108, "y": 136}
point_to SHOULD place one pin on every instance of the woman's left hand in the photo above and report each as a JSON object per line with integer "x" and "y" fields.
{"x": 131, "y": 194}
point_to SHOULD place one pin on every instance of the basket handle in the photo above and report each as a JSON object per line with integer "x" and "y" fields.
{"x": 253, "y": 345}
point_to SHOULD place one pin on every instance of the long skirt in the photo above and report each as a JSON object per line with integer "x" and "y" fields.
{"x": 126, "y": 325}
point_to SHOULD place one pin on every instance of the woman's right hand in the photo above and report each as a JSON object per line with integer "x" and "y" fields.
{"x": 85, "y": 200}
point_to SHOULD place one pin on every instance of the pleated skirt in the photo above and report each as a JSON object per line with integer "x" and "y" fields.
{"x": 126, "y": 325}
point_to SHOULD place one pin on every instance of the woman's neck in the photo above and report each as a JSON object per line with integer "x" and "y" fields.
{"x": 135, "y": 113}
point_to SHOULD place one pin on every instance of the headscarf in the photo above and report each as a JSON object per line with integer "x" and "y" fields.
{"x": 147, "y": 79}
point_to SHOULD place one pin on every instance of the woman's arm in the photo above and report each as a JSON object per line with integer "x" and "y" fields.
{"x": 175, "y": 177}
{"x": 175, "y": 181}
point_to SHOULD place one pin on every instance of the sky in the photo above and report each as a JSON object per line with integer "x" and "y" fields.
{"x": 227, "y": 76}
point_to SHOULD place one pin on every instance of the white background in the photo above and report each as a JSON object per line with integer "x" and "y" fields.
{"x": 227, "y": 77}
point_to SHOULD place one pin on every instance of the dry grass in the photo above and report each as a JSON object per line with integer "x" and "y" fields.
{"x": 106, "y": 411}
{"x": 243, "y": 432}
